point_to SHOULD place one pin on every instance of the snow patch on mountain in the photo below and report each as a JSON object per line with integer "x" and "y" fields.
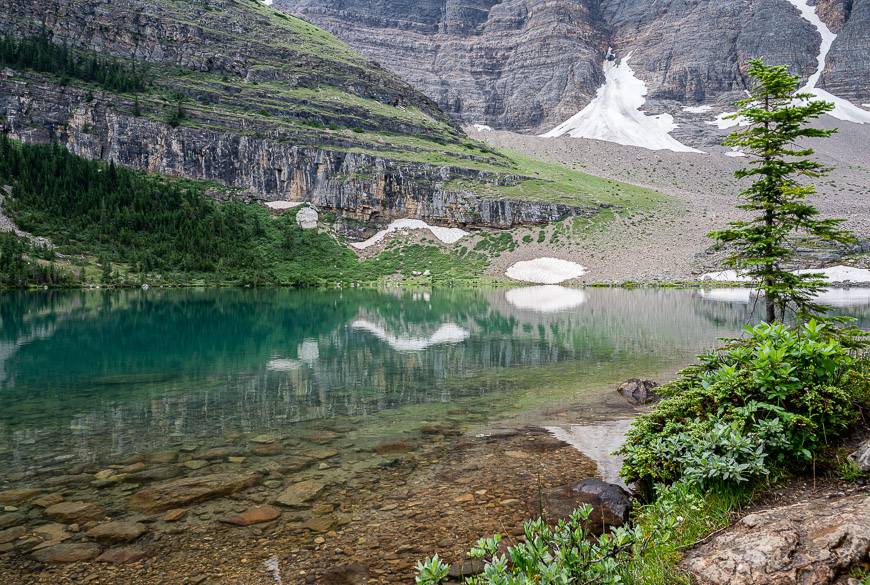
{"x": 843, "y": 109}
{"x": 446, "y": 235}
{"x": 697, "y": 109}
{"x": 614, "y": 114}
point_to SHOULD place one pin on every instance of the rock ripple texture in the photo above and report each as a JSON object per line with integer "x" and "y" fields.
{"x": 812, "y": 542}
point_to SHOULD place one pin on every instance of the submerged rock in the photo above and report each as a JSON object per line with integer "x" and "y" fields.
{"x": 178, "y": 493}
{"x": 639, "y": 392}
{"x": 116, "y": 532}
{"x": 74, "y": 512}
{"x": 18, "y": 496}
{"x": 810, "y": 542}
{"x": 355, "y": 574}
{"x": 299, "y": 494}
{"x": 255, "y": 515}
{"x": 123, "y": 555}
{"x": 610, "y": 503}
{"x": 67, "y": 552}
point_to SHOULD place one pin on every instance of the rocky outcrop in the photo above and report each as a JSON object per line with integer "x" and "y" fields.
{"x": 861, "y": 456}
{"x": 525, "y": 65}
{"x": 269, "y": 167}
{"x": 812, "y": 542}
{"x": 638, "y": 392}
{"x": 610, "y": 503}
{"x": 190, "y": 490}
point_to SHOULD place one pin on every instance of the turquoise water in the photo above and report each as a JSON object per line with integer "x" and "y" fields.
{"x": 93, "y": 375}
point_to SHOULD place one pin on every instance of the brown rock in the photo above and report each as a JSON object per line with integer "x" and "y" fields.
{"x": 298, "y": 494}
{"x": 13, "y": 533}
{"x": 48, "y": 500}
{"x": 295, "y": 463}
{"x": 18, "y": 496}
{"x": 52, "y": 532}
{"x": 174, "y": 515}
{"x": 810, "y": 542}
{"x": 182, "y": 492}
{"x": 123, "y": 555}
{"x": 393, "y": 447}
{"x": 67, "y": 552}
{"x": 195, "y": 464}
{"x": 153, "y": 474}
{"x": 220, "y": 453}
{"x": 74, "y": 512}
{"x": 320, "y": 453}
{"x": 355, "y": 574}
{"x": 267, "y": 450}
{"x": 610, "y": 503}
{"x": 119, "y": 531}
{"x": 255, "y": 515}
{"x": 12, "y": 519}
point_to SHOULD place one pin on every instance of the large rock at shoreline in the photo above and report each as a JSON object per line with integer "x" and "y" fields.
{"x": 812, "y": 542}
{"x": 610, "y": 503}
{"x": 189, "y": 490}
{"x": 300, "y": 494}
{"x": 639, "y": 392}
{"x": 861, "y": 457}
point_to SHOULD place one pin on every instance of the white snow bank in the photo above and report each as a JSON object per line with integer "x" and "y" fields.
{"x": 723, "y": 121}
{"x": 446, "y": 235}
{"x": 835, "y": 274}
{"x": 280, "y": 205}
{"x": 725, "y": 276}
{"x": 728, "y": 295}
{"x": 843, "y": 109}
{"x": 598, "y": 441}
{"x": 697, "y": 109}
{"x": 614, "y": 114}
{"x": 550, "y": 298}
{"x": 446, "y": 333}
{"x": 545, "y": 271}
{"x": 482, "y": 128}
{"x": 735, "y": 152}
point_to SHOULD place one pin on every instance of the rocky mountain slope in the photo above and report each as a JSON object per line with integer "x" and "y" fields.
{"x": 530, "y": 64}
{"x": 265, "y": 104}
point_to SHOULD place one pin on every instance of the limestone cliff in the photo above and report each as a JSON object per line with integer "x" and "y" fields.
{"x": 528, "y": 65}
{"x": 272, "y": 107}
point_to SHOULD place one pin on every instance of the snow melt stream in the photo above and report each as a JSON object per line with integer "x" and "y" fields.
{"x": 446, "y": 235}
{"x": 843, "y": 109}
{"x": 614, "y": 114}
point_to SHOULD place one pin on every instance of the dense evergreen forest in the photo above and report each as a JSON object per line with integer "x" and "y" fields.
{"x": 39, "y": 53}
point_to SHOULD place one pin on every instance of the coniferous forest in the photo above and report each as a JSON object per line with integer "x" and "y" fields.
{"x": 39, "y": 53}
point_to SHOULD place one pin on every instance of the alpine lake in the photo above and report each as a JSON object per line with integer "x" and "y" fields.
{"x": 367, "y": 428}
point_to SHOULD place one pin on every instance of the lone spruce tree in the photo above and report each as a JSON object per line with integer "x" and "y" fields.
{"x": 763, "y": 246}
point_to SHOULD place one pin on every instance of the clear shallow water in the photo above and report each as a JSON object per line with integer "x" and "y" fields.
{"x": 92, "y": 376}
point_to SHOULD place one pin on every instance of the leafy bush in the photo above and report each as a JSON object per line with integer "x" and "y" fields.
{"x": 768, "y": 401}
{"x": 645, "y": 552}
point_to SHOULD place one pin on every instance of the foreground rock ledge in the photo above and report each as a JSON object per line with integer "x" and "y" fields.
{"x": 814, "y": 542}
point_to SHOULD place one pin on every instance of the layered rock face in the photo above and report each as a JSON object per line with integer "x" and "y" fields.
{"x": 521, "y": 64}
{"x": 525, "y": 65}
{"x": 272, "y": 107}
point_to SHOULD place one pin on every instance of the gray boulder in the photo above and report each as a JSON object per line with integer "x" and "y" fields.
{"x": 639, "y": 392}
{"x": 610, "y": 503}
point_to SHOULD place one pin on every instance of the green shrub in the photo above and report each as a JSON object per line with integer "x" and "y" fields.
{"x": 644, "y": 552}
{"x": 766, "y": 402}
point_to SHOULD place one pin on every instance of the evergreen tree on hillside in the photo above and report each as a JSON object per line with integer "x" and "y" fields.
{"x": 763, "y": 245}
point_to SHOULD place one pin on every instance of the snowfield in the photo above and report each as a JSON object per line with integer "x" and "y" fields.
{"x": 843, "y": 109}
{"x": 482, "y": 128}
{"x": 697, "y": 109}
{"x": 446, "y": 235}
{"x": 281, "y": 205}
{"x": 550, "y": 298}
{"x": 614, "y": 114}
{"x": 545, "y": 271}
